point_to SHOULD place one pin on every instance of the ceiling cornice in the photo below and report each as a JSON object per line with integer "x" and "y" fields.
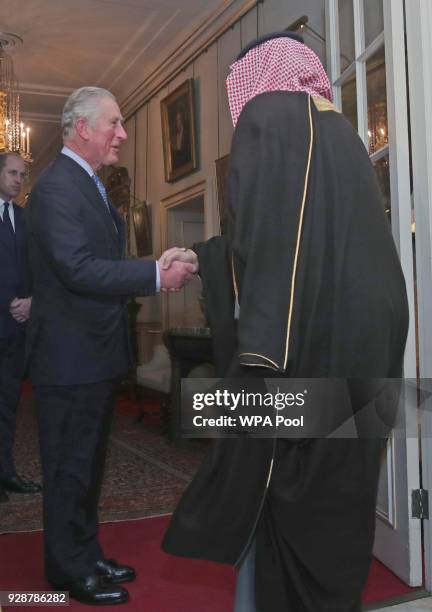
{"x": 45, "y": 90}
{"x": 41, "y": 117}
{"x": 187, "y": 51}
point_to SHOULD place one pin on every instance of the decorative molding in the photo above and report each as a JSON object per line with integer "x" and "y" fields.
{"x": 198, "y": 41}
{"x": 184, "y": 195}
{"x": 37, "y": 89}
{"x": 41, "y": 117}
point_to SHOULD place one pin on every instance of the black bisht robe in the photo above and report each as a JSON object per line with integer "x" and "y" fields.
{"x": 311, "y": 257}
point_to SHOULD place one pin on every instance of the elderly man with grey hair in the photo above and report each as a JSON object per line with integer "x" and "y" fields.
{"x": 78, "y": 344}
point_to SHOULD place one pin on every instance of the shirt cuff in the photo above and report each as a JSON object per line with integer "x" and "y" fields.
{"x": 157, "y": 277}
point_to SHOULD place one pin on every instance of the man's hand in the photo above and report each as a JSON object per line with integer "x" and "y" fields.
{"x": 20, "y": 309}
{"x": 176, "y": 276}
{"x": 178, "y": 254}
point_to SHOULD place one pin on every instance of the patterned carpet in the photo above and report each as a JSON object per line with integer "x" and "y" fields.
{"x": 145, "y": 475}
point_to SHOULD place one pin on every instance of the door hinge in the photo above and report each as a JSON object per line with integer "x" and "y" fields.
{"x": 420, "y": 504}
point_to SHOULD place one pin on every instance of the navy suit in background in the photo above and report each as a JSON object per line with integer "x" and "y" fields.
{"x": 14, "y": 282}
{"x": 77, "y": 347}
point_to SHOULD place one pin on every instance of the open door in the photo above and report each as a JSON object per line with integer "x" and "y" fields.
{"x": 366, "y": 64}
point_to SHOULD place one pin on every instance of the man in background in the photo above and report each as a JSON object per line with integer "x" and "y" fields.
{"x": 78, "y": 343}
{"x": 14, "y": 311}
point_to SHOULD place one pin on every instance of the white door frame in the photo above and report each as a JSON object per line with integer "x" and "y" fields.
{"x": 399, "y": 532}
{"x": 419, "y": 46}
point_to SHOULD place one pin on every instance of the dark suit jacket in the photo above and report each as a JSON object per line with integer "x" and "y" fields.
{"x": 78, "y": 330}
{"x": 14, "y": 274}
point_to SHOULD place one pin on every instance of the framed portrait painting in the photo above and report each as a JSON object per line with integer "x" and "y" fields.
{"x": 178, "y": 132}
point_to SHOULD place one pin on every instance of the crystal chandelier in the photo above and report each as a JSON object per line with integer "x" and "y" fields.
{"x": 14, "y": 136}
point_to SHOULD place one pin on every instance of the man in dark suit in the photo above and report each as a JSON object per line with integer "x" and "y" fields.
{"x": 14, "y": 312}
{"x": 78, "y": 343}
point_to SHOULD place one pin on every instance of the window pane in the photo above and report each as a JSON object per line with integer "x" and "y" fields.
{"x": 377, "y": 101}
{"x": 383, "y": 174}
{"x": 374, "y": 19}
{"x": 349, "y": 100}
{"x": 346, "y": 33}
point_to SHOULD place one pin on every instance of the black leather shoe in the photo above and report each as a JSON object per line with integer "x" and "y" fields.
{"x": 114, "y": 573}
{"x": 16, "y": 484}
{"x": 4, "y": 497}
{"x": 94, "y": 591}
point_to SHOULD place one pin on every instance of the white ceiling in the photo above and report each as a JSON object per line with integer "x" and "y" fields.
{"x": 71, "y": 43}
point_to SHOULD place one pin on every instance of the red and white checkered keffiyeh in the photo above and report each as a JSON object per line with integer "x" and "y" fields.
{"x": 280, "y": 64}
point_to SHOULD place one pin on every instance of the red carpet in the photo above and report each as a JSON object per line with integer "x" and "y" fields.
{"x": 165, "y": 583}
{"x": 383, "y": 584}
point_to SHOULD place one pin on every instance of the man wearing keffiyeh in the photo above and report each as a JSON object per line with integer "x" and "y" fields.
{"x": 310, "y": 260}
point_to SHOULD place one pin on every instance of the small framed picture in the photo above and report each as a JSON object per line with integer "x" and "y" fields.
{"x": 178, "y": 132}
{"x": 142, "y": 226}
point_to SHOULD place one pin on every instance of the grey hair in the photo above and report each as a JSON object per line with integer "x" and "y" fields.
{"x": 82, "y": 103}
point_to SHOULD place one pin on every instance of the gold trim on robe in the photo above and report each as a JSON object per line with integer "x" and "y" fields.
{"x": 299, "y": 232}
{"x": 258, "y": 364}
{"x": 322, "y": 104}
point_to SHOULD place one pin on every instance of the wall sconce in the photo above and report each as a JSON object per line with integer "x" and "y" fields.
{"x": 301, "y": 25}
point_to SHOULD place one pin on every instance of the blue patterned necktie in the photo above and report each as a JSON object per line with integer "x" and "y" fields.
{"x": 101, "y": 190}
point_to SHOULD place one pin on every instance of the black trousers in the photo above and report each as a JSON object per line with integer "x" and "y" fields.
{"x": 11, "y": 375}
{"x": 74, "y": 424}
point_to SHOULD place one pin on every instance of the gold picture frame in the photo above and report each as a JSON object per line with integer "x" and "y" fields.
{"x": 178, "y": 132}
{"x": 141, "y": 219}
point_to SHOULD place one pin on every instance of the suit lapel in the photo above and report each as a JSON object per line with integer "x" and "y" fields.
{"x": 8, "y": 244}
{"x": 90, "y": 191}
{"x": 23, "y": 288}
{"x": 120, "y": 225}
{"x": 19, "y": 227}
{"x": 19, "y": 236}
{"x": 88, "y": 188}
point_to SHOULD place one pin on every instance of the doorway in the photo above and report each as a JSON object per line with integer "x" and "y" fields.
{"x": 183, "y": 224}
{"x": 366, "y": 62}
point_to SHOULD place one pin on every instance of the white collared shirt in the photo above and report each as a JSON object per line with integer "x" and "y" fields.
{"x": 11, "y": 211}
{"x": 79, "y": 160}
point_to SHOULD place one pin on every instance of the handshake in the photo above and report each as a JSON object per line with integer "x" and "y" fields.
{"x": 177, "y": 267}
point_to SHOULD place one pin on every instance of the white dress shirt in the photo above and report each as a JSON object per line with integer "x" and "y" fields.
{"x": 11, "y": 211}
{"x": 82, "y": 162}
{"x": 79, "y": 160}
